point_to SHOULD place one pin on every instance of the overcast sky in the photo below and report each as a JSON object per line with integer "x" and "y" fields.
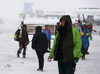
{"x": 12, "y": 8}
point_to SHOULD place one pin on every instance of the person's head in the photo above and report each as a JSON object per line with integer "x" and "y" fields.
{"x": 24, "y": 27}
{"x": 66, "y": 21}
{"x": 63, "y": 22}
{"x": 38, "y": 29}
{"x": 58, "y": 24}
{"x": 89, "y": 22}
{"x": 46, "y": 26}
{"x": 83, "y": 25}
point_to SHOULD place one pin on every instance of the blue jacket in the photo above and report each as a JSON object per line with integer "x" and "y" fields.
{"x": 84, "y": 38}
{"x": 48, "y": 33}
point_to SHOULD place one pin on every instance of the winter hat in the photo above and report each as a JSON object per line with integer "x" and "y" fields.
{"x": 83, "y": 24}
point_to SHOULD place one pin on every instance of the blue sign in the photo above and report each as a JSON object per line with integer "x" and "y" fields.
{"x": 27, "y": 8}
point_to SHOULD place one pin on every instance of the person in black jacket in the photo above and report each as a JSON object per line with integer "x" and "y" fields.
{"x": 39, "y": 43}
{"x": 22, "y": 39}
{"x": 57, "y": 27}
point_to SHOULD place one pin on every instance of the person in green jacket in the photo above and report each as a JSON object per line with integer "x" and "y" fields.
{"x": 66, "y": 48}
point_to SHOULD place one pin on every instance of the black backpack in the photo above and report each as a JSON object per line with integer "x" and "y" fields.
{"x": 16, "y": 35}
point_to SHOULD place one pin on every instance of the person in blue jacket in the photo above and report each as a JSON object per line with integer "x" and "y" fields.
{"x": 85, "y": 33}
{"x": 47, "y": 31}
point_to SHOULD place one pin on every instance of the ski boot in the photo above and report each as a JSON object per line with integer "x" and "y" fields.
{"x": 18, "y": 55}
{"x": 90, "y": 39}
{"x": 24, "y": 56}
{"x": 40, "y": 70}
{"x": 83, "y": 57}
{"x": 87, "y": 53}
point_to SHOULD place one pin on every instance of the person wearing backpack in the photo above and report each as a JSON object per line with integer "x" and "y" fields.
{"x": 21, "y": 36}
{"x": 40, "y": 45}
{"x": 85, "y": 34}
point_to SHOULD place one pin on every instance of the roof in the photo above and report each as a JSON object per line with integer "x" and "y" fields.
{"x": 41, "y": 21}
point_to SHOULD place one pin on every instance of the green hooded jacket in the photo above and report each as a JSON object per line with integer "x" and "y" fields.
{"x": 76, "y": 40}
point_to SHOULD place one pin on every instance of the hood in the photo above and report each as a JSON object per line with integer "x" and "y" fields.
{"x": 68, "y": 22}
{"x": 38, "y": 29}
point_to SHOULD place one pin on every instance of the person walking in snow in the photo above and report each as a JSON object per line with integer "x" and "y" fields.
{"x": 22, "y": 37}
{"x": 39, "y": 44}
{"x": 85, "y": 33}
{"x": 47, "y": 31}
{"x": 66, "y": 48}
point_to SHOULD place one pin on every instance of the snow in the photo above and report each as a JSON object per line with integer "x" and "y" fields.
{"x": 34, "y": 21}
{"x": 10, "y": 64}
{"x": 41, "y": 21}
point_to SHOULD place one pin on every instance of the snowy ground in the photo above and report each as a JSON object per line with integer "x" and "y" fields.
{"x": 10, "y": 64}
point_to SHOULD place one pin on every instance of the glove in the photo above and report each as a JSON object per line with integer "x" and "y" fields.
{"x": 76, "y": 59}
{"x": 27, "y": 42}
{"x": 87, "y": 34}
{"x": 82, "y": 33}
{"x": 82, "y": 36}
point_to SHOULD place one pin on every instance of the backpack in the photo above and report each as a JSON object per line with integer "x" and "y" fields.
{"x": 16, "y": 35}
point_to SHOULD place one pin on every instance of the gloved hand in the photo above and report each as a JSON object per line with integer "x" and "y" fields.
{"x": 87, "y": 34}
{"x": 76, "y": 59}
{"x": 82, "y": 33}
{"x": 82, "y": 36}
{"x": 95, "y": 31}
{"x": 27, "y": 42}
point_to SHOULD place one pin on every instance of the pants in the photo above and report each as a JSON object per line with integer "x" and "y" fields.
{"x": 49, "y": 44}
{"x": 91, "y": 35}
{"x": 87, "y": 49}
{"x": 24, "y": 50}
{"x": 40, "y": 56}
{"x": 84, "y": 50}
{"x": 66, "y": 68}
{"x": 22, "y": 46}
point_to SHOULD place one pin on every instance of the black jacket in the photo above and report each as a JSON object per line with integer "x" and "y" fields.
{"x": 24, "y": 40}
{"x": 62, "y": 33}
{"x": 64, "y": 42}
{"x": 39, "y": 41}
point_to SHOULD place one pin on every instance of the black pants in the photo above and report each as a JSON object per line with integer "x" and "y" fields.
{"x": 66, "y": 68}
{"x": 24, "y": 50}
{"x": 49, "y": 44}
{"x": 22, "y": 46}
{"x": 40, "y": 56}
{"x": 83, "y": 50}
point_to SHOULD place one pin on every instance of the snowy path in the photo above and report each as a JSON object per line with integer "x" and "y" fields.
{"x": 10, "y": 64}
{"x": 91, "y": 65}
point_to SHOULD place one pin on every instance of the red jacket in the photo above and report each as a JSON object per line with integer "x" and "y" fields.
{"x": 90, "y": 28}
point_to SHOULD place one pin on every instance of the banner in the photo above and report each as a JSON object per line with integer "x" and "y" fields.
{"x": 28, "y": 8}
